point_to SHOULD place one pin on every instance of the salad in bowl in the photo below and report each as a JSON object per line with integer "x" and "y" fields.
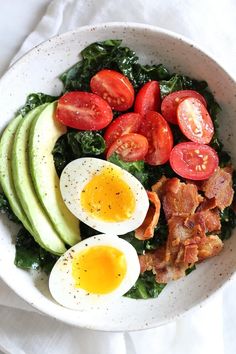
{"x": 120, "y": 183}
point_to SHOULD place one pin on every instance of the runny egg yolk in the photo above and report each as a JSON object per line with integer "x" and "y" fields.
{"x": 99, "y": 269}
{"x": 108, "y": 197}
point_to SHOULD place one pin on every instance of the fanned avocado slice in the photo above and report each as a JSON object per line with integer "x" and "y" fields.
{"x": 6, "y": 178}
{"x": 44, "y": 133}
{"x": 43, "y": 230}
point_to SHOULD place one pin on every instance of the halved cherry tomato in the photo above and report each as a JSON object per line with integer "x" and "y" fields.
{"x": 194, "y": 121}
{"x": 124, "y": 124}
{"x": 170, "y": 103}
{"x": 148, "y": 98}
{"x": 113, "y": 87}
{"x": 194, "y": 161}
{"x": 130, "y": 147}
{"x": 83, "y": 110}
{"x": 159, "y": 136}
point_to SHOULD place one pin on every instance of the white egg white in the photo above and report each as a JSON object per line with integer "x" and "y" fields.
{"x": 62, "y": 284}
{"x": 78, "y": 173}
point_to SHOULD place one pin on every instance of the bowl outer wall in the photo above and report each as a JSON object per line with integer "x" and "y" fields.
{"x": 38, "y": 71}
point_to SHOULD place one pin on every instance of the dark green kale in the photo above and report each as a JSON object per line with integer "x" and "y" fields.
{"x": 179, "y": 82}
{"x": 228, "y": 223}
{"x": 87, "y": 231}
{"x": 74, "y": 144}
{"x": 62, "y": 154}
{"x": 156, "y": 172}
{"x": 189, "y": 270}
{"x": 34, "y": 100}
{"x": 139, "y": 245}
{"x": 160, "y": 234}
{"x": 145, "y": 173}
{"x": 110, "y": 55}
{"x": 178, "y": 136}
{"x": 145, "y": 287}
{"x": 137, "y": 168}
{"x": 86, "y": 143}
{"x": 29, "y": 255}
{"x": 6, "y": 209}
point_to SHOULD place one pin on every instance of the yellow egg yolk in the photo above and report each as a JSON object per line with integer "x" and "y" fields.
{"x": 108, "y": 197}
{"x": 99, "y": 269}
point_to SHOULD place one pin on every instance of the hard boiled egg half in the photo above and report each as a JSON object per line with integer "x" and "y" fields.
{"x": 103, "y": 195}
{"x": 94, "y": 271}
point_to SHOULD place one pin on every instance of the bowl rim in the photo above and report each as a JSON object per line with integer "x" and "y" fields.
{"x": 146, "y": 27}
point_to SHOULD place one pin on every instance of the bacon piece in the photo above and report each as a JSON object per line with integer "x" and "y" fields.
{"x": 211, "y": 247}
{"x": 189, "y": 217}
{"x": 219, "y": 186}
{"x": 190, "y": 253}
{"x": 229, "y": 169}
{"x": 180, "y": 198}
{"x": 146, "y": 230}
{"x": 207, "y": 204}
{"x": 171, "y": 272}
{"x": 183, "y": 232}
{"x": 156, "y": 262}
{"x": 212, "y": 220}
{"x": 153, "y": 260}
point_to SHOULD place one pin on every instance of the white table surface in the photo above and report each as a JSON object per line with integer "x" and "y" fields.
{"x": 17, "y": 19}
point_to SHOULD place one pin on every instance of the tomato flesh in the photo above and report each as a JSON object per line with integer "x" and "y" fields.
{"x": 148, "y": 98}
{"x": 130, "y": 147}
{"x": 170, "y": 103}
{"x": 83, "y": 110}
{"x": 113, "y": 87}
{"x": 195, "y": 121}
{"x": 194, "y": 161}
{"x": 124, "y": 124}
{"x": 159, "y": 135}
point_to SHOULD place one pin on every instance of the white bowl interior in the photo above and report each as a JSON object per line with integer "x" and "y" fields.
{"x": 38, "y": 72}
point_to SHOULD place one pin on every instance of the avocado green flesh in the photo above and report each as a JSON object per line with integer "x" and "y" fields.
{"x": 44, "y": 133}
{"x": 6, "y": 178}
{"x": 43, "y": 230}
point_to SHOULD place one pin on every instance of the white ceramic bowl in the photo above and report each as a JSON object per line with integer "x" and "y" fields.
{"x": 38, "y": 71}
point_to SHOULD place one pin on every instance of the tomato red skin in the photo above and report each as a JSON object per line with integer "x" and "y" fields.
{"x": 185, "y": 159}
{"x": 113, "y": 87}
{"x": 83, "y": 110}
{"x": 159, "y": 135}
{"x": 148, "y": 98}
{"x": 130, "y": 147}
{"x": 124, "y": 124}
{"x": 204, "y": 130}
{"x": 170, "y": 103}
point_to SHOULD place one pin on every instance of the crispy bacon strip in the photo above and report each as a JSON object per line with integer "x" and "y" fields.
{"x": 190, "y": 254}
{"x": 211, "y": 247}
{"x": 146, "y": 230}
{"x": 180, "y": 198}
{"x": 189, "y": 217}
{"x": 207, "y": 204}
{"x": 164, "y": 271}
{"x": 183, "y": 232}
{"x": 153, "y": 260}
{"x": 219, "y": 186}
{"x": 211, "y": 219}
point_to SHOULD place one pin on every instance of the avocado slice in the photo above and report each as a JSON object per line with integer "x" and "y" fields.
{"x": 44, "y": 233}
{"x": 6, "y": 179}
{"x": 44, "y": 133}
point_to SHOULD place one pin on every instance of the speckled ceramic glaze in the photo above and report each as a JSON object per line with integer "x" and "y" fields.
{"x": 38, "y": 71}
